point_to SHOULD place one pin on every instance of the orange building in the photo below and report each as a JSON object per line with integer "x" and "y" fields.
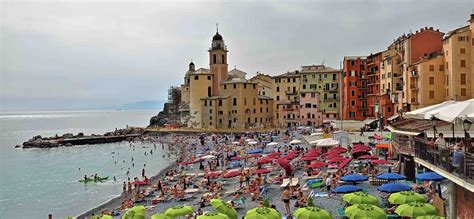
{"x": 354, "y": 88}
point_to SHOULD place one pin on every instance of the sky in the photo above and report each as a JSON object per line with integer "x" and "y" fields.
{"x": 80, "y": 54}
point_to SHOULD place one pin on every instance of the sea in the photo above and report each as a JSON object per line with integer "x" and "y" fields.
{"x": 38, "y": 182}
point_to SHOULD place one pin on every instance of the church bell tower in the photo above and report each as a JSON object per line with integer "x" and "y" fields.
{"x": 218, "y": 62}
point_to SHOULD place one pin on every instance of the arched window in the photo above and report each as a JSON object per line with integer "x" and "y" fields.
{"x": 208, "y": 91}
{"x": 223, "y": 59}
{"x": 215, "y": 58}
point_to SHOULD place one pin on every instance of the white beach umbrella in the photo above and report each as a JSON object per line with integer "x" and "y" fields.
{"x": 454, "y": 112}
{"x": 252, "y": 142}
{"x": 248, "y": 139}
{"x": 327, "y": 142}
{"x": 420, "y": 113}
{"x": 317, "y": 141}
{"x": 316, "y": 134}
{"x": 272, "y": 144}
{"x": 208, "y": 157}
{"x": 295, "y": 141}
{"x": 235, "y": 142}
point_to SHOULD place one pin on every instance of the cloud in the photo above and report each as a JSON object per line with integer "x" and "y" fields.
{"x": 125, "y": 51}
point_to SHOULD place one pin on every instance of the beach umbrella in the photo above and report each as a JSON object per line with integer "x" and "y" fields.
{"x": 330, "y": 156}
{"x": 327, "y": 142}
{"x": 236, "y": 142}
{"x": 252, "y": 142}
{"x": 312, "y": 213}
{"x": 430, "y": 217}
{"x": 380, "y": 162}
{"x": 346, "y": 189}
{"x": 224, "y": 208}
{"x": 254, "y": 155}
{"x": 285, "y": 165}
{"x": 317, "y": 164}
{"x": 394, "y": 187}
{"x": 295, "y": 141}
{"x": 213, "y": 215}
{"x": 391, "y": 176}
{"x": 208, "y": 157}
{"x": 360, "y": 198}
{"x": 231, "y": 174}
{"x": 262, "y": 171}
{"x": 237, "y": 158}
{"x": 406, "y": 197}
{"x": 179, "y": 211}
{"x": 264, "y": 161}
{"x": 337, "y": 160}
{"x": 262, "y": 213}
{"x": 213, "y": 174}
{"x": 338, "y": 149}
{"x": 137, "y": 212}
{"x": 308, "y": 158}
{"x": 367, "y": 157}
{"x": 106, "y": 217}
{"x": 354, "y": 178}
{"x": 159, "y": 216}
{"x": 361, "y": 147}
{"x": 416, "y": 209}
{"x": 95, "y": 217}
{"x": 429, "y": 176}
{"x": 316, "y": 184}
{"x": 365, "y": 211}
{"x": 272, "y": 144}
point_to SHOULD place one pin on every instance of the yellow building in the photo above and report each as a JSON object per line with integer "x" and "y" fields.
{"x": 425, "y": 80}
{"x": 459, "y": 62}
{"x": 237, "y": 107}
{"x": 265, "y": 84}
{"x": 286, "y": 94}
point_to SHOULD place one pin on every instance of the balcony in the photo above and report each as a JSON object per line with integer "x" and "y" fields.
{"x": 331, "y": 89}
{"x": 414, "y": 74}
{"x": 330, "y": 99}
{"x": 363, "y": 87}
{"x": 399, "y": 88}
{"x": 442, "y": 160}
{"x": 361, "y": 97}
{"x": 397, "y": 75}
{"x": 362, "y": 108}
{"x": 289, "y": 92}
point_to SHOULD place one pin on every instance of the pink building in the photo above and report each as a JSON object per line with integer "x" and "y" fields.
{"x": 310, "y": 114}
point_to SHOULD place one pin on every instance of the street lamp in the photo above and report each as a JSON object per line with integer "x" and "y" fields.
{"x": 466, "y": 124}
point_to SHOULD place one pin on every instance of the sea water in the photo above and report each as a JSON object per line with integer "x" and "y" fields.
{"x": 38, "y": 182}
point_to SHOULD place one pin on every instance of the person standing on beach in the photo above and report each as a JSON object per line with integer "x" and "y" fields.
{"x": 143, "y": 172}
{"x": 328, "y": 183}
{"x": 285, "y": 197}
{"x": 124, "y": 187}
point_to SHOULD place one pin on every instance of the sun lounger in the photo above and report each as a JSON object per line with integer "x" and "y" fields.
{"x": 285, "y": 183}
{"x": 294, "y": 182}
{"x": 191, "y": 190}
{"x": 311, "y": 177}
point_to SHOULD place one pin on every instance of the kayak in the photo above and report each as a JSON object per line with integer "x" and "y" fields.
{"x": 99, "y": 179}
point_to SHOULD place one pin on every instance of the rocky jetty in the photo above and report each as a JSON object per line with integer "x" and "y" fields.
{"x": 70, "y": 139}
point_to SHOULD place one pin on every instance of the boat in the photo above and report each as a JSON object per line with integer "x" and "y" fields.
{"x": 99, "y": 179}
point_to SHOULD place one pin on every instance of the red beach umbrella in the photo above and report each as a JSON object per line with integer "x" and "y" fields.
{"x": 367, "y": 157}
{"x": 285, "y": 164}
{"x": 231, "y": 174}
{"x": 339, "y": 149}
{"x": 237, "y": 158}
{"x": 337, "y": 160}
{"x": 213, "y": 174}
{"x": 254, "y": 155}
{"x": 331, "y": 156}
{"x": 264, "y": 161}
{"x": 308, "y": 158}
{"x": 361, "y": 148}
{"x": 262, "y": 171}
{"x": 380, "y": 162}
{"x": 139, "y": 183}
{"x": 317, "y": 164}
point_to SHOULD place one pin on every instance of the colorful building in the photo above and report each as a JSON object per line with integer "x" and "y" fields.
{"x": 326, "y": 82}
{"x": 354, "y": 88}
{"x": 286, "y": 93}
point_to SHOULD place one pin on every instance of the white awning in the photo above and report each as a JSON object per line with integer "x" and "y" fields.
{"x": 394, "y": 130}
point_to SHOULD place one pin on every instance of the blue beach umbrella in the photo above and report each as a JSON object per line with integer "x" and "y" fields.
{"x": 391, "y": 176}
{"x": 394, "y": 187}
{"x": 255, "y": 151}
{"x": 346, "y": 189}
{"x": 353, "y": 178}
{"x": 429, "y": 176}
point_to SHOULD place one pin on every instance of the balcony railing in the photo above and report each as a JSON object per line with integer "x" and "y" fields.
{"x": 290, "y": 92}
{"x": 458, "y": 163}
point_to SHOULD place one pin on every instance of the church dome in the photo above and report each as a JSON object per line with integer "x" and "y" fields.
{"x": 217, "y": 37}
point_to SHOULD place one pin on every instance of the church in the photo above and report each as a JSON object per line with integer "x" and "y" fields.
{"x": 216, "y": 98}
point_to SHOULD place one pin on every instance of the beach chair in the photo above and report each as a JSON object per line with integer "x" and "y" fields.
{"x": 285, "y": 183}
{"x": 239, "y": 202}
{"x": 294, "y": 182}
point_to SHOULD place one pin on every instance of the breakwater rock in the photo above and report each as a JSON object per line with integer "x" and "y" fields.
{"x": 70, "y": 139}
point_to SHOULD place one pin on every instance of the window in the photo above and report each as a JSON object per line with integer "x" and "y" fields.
{"x": 447, "y": 66}
{"x": 245, "y": 86}
{"x": 462, "y": 51}
{"x": 278, "y": 98}
{"x": 245, "y": 101}
{"x": 325, "y": 75}
{"x": 215, "y": 58}
{"x": 205, "y": 102}
{"x": 235, "y": 86}
{"x": 209, "y": 91}
{"x": 447, "y": 80}
{"x": 441, "y": 67}
{"x": 234, "y": 102}
{"x": 278, "y": 89}
{"x": 389, "y": 109}
{"x": 304, "y": 86}
{"x": 254, "y": 86}
{"x": 220, "y": 102}
{"x": 307, "y": 105}
{"x": 352, "y": 93}
{"x": 334, "y": 77}
{"x": 196, "y": 77}
{"x": 352, "y": 63}
{"x": 352, "y": 114}
{"x": 463, "y": 78}
{"x": 463, "y": 63}
{"x": 431, "y": 80}
{"x": 353, "y": 73}
{"x": 431, "y": 94}
{"x": 352, "y": 103}
{"x": 431, "y": 67}
{"x": 210, "y": 104}
{"x": 463, "y": 91}
{"x": 462, "y": 38}
{"x": 223, "y": 59}
{"x": 220, "y": 120}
